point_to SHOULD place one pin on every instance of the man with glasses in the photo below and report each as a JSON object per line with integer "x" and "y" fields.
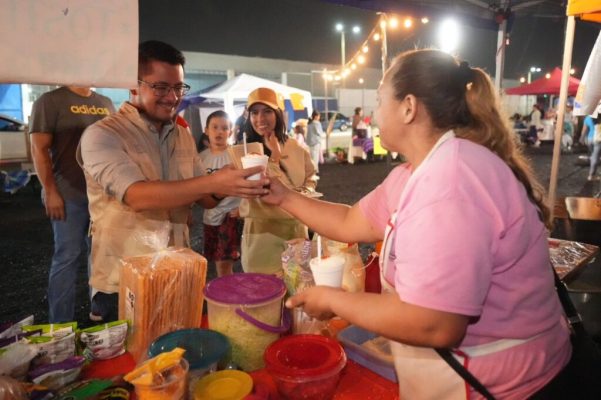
{"x": 143, "y": 173}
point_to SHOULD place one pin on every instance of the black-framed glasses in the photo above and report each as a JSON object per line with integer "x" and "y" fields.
{"x": 162, "y": 89}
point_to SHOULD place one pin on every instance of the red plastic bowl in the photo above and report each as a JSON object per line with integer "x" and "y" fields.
{"x": 305, "y": 367}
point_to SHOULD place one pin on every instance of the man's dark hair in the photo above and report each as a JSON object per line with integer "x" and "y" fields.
{"x": 154, "y": 50}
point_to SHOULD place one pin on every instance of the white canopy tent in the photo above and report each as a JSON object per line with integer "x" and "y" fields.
{"x": 238, "y": 89}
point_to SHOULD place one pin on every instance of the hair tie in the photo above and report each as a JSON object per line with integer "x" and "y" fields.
{"x": 466, "y": 73}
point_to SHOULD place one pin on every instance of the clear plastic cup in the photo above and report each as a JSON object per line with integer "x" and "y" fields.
{"x": 253, "y": 160}
{"x": 174, "y": 386}
{"x": 328, "y": 271}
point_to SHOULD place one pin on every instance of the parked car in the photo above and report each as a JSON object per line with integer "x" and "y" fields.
{"x": 14, "y": 143}
{"x": 342, "y": 122}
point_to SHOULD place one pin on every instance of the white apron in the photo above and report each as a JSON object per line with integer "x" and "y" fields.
{"x": 421, "y": 372}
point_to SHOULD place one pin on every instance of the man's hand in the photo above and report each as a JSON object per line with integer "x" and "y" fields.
{"x": 315, "y": 301}
{"x": 233, "y": 182}
{"x": 55, "y": 205}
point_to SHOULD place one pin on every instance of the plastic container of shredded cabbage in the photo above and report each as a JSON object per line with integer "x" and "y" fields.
{"x": 248, "y": 309}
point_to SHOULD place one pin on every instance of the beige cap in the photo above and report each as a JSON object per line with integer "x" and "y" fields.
{"x": 266, "y": 96}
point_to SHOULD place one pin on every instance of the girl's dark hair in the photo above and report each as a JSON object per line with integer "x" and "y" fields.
{"x": 280, "y": 130}
{"x": 314, "y": 114}
{"x": 357, "y": 110}
{"x": 464, "y": 99}
{"x": 216, "y": 114}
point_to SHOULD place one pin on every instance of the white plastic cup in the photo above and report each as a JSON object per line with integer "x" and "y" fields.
{"x": 252, "y": 160}
{"x": 328, "y": 271}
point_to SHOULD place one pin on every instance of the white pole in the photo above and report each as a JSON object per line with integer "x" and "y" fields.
{"x": 325, "y": 87}
{"x": 500, "y": 55}
{"x": 563, "y": 96}
{"x": 342, "y": 61}
{"x": 383, "y": 22}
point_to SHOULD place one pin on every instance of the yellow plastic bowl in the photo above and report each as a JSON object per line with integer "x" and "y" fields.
{"x": 224, "y": 385}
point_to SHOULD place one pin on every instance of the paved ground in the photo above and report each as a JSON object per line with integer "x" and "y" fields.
{"x": 26, "y": 237}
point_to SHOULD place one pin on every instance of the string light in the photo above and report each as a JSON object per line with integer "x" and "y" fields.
{"x": 359, "y": 58}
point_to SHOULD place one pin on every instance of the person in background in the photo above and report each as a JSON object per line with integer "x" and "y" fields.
{"x": 239, "y": 126}
{"x": 222, "y": 226}
{"x": 267, "y": 228}
{"x": 143, "y": 174}
{"x": 588, "y": 131}
{"x": 594, "y": 145}
{"x": 300, "y": 131}
{"x": 58, "y": 119}
{"x": 314, "y": 135}
{"x": 357, "y": 119}
{"x": 462, "y": 222}
{"x": 536, "y": 125}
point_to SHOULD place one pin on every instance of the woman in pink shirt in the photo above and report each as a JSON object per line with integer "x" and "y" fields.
{"x": 465, "y": 261}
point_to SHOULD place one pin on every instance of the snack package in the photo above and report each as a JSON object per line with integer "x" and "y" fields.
{"x": 55, "y": 376}
{"x": 295, "y": 264}
{"x": 15, "y": 360}
{"x": 5, "y": 342}
{"x": 160, "y": 293}
{"x": 105, "y": 341}
{"x": 52, "y": 330}
{"x": 82, "y": 390}
{"x": 298, "y": 277}
{"x": 10, "y": 329}
{"x": 52, "y": 350}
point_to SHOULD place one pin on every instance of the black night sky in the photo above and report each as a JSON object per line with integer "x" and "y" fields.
{"x": 303, "y": 30}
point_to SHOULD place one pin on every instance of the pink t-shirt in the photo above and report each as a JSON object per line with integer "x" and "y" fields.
{"x": 468, "y": 241}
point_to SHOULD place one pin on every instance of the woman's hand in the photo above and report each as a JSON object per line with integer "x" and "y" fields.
{"x": 277, "y": 192}
{"x": 315, "y": 301}
{"x": 272, "y": 143}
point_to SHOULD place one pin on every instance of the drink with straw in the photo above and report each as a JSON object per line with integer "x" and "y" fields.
{"x": 327, "y": 271}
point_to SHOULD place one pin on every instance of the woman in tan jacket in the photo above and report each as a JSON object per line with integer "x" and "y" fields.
{"x": 267, "y": 228}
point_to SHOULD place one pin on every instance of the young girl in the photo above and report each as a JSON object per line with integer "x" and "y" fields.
{"x": 221, "y": 224}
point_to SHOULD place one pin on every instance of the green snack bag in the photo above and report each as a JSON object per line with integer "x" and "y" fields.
{"x": 52, "y": 330}
{"x": 104, "y": 341}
